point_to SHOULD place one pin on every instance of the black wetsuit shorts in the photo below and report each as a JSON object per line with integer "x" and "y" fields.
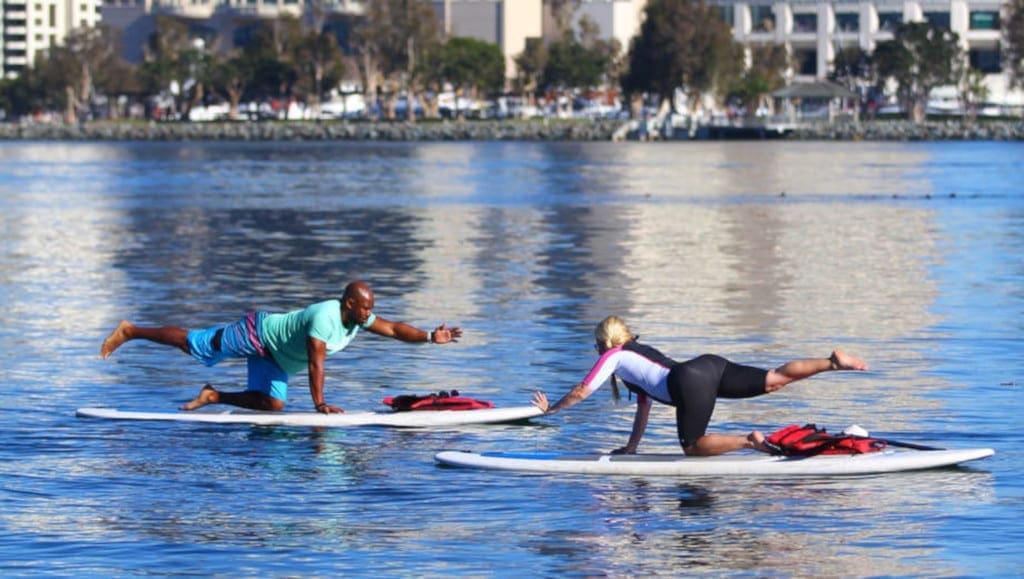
{"x": 694, "y": 386}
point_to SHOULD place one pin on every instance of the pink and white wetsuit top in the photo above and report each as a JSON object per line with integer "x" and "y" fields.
{"x": 644, "y": 370}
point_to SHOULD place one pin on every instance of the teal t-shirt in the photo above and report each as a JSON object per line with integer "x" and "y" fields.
{"x": 285, "y": 334}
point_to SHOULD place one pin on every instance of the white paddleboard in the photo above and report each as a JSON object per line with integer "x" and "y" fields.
{"x": 410, "y": 419}
{"x": 741, "y": 464}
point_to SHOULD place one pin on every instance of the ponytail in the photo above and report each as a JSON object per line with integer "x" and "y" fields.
{"x": 612, "y": 332}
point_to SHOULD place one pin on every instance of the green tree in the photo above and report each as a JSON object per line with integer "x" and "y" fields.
{"x": 973, "y": 91}
{"x": 1013, "y": 42}
{"x": 163, "y": 66}
{"x": 766, "y": 74}
{"x": 320, "y": 65}
{"x": 22, "y": 96}
{"x": 530, "y": 65}
{"x": 472, "y": 64}
{"x": 571, "y": 62}
{"x": 264, "y": 67}
{"x": 231, "y": 77}
{"x": 74, "y": 71}
{"x": 853, "y": 68}
{"x": 919, "y": 58}
{"x": 562, "y": 12}
{"x": 682, "y": 43}
{"x": 392, "y": 40}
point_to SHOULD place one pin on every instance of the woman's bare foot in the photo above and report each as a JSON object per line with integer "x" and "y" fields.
{"x": 120, "y": 335}
{"x": 755, "y": 440}
{"x": 208, "y": 395}
{"x": 843, "y": 361}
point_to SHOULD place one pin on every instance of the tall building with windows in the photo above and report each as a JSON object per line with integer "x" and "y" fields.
{"x": 814, "y": 31}
{"x": 28, "y": 27}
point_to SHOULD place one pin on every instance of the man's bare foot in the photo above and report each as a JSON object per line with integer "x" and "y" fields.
{"x": 843, "y": 361}
{"x": 208, "y": 395}
{"x": 120, "y": 335}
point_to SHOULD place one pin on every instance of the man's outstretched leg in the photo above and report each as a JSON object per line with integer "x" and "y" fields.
{"x": 125, "y": 331}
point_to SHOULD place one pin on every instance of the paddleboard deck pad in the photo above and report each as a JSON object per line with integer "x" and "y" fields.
{"x": 743, "y": 464}
{"x": 413, "y": 419}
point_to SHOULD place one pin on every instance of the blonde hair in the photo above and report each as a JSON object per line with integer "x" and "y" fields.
{"x": 611, "y": 332}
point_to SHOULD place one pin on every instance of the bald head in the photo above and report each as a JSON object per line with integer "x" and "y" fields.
{"x": 357, "y": 289}
{"x": 356, "y": 303}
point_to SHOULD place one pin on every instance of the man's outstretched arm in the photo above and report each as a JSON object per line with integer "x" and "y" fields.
{"x": 409, "y": 333}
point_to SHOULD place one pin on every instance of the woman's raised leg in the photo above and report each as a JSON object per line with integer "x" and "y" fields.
{"x": 800, "y": 369}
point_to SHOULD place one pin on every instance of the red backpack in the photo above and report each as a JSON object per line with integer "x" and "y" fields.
{"x": 440, "y": 401}
{"x": 809, "y": 440}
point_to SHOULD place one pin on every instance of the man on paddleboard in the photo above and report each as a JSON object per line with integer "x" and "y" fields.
{"x": 278, "y": 345}
{"x": 691, "y": 386}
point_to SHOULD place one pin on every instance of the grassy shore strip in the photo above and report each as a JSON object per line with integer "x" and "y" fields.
{"x": 537, "y": 130}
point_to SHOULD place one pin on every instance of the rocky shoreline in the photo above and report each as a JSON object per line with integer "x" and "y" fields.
{"x": 314, "y": 131}
{"x": 599, "y": 130}
{"x": 899, "y": 130}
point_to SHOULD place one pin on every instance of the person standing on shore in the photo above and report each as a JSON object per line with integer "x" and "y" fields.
{"x": 691, "y": 387}
{"x": 277, "y": 345}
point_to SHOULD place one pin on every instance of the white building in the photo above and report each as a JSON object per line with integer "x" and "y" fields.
{"x": 28, "y": 27}
{"x": 814, "y": 31}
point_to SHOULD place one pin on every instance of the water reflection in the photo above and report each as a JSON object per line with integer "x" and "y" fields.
{"x": 526, "y": 247}
{"x": 851, "y": 526}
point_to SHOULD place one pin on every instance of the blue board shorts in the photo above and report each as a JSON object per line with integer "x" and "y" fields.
{"x": 242, "y": 340}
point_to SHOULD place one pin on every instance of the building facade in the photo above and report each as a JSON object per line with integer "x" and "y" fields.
{"x": 28, "y": 27}
{"x": 814, "y": 31}
{"x": 507, "y": 23}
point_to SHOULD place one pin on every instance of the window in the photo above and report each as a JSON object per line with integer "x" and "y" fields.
{"x": 806, "y": 61}
{"x": 889, "y": 21}
{"x": 939, "y": 20}
{"x": 762, "y": 18}
{"x": 985, "y": 20}
{"x": 847, "y": 22}
{"x": 726, "y": 14}
{"x": 243, "y": 36}
{"x": 986, "y": 61}
{"x": 805, "y": 23}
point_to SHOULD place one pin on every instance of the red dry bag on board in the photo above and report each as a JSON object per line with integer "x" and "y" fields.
{"x": 809, "y": 440}
{"x": 440, "y": 401}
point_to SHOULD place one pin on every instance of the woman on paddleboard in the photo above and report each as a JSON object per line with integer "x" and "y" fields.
{"x": 692, "y": 386}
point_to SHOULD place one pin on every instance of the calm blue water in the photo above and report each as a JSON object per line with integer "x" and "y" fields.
{"x": 909, "y": 255}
